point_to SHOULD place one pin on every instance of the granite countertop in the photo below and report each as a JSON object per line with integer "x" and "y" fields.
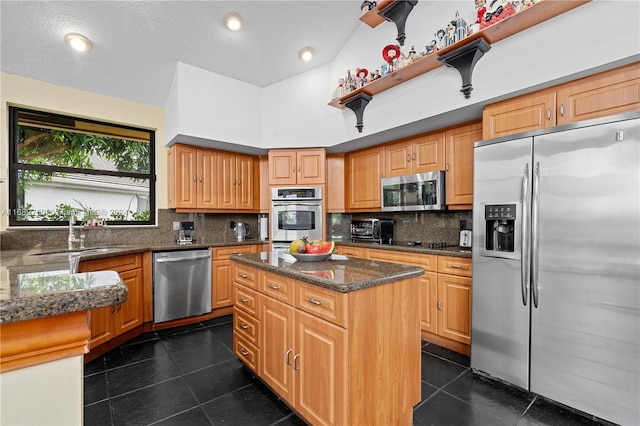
{"x": 447, "y": 251}
{"x": 40, "y": 282}
{"x": 338, "y": 275}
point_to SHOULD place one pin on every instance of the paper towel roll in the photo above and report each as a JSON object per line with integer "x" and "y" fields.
{"x": 264, "y": 228}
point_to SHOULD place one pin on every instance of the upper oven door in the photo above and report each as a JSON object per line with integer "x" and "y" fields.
{"x": 293, "y": 220}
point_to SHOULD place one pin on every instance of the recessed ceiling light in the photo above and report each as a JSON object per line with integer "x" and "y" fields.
{"x": 306, "y": 54}
{"x": 78, "y": 42}
{"x": 233, "y": 21}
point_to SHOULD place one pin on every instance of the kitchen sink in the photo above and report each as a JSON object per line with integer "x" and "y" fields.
{"x": 80, "y": 252}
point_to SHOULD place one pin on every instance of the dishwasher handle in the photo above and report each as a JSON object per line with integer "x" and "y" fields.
{"x": 181, "y": 259}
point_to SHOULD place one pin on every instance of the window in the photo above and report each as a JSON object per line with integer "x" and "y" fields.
{"x": 102, "y": 171}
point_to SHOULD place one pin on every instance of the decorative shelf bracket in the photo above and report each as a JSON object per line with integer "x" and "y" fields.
{"x": 398, "y": 12}
{"x": 464, "y": 60}
{"x": 357, "y": 104}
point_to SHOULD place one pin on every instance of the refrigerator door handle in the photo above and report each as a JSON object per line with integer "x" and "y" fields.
{"x": 534, "y": 232}
{"x": 525, "y": 260}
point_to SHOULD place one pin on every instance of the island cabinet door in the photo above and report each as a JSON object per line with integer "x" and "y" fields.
{"x": 277, "y": 333}
{"x": 320, "y": 369}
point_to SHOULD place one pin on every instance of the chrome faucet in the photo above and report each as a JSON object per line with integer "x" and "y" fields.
{"x": 72, "y": 233}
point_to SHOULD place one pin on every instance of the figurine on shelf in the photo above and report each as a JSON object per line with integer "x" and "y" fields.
{"x": 375, "y": 75}
{"x": 440, "y": 39}
{"x": 496, "y": 12}
{"x": 412, "y": 56}
{"x": 340, "y": 90}
{"x": 350, "y": 82}
{"x": 431, "y": 47}
{"x": 362, "y": 74}
{"x": 456, "y": 30}
{"x": 481, "y": 9}
{"x": 391, "y": 54}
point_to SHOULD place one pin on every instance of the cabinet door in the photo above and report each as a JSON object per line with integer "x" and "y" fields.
{"x": 428, "y": 153}
{"x": 320, "y": 369}
{"x": 608, "y": 93}
{"x": 459, "y": 167}
{"x": 244, "y": 182}
{"x": 428, "y": 302}
{"x": 222, "y": 291}
{"x": 282, "y": 167}
{"x": 206, "y": 185}
{"x": 364, "y": 170}
{"x": 454, "y": 308}
{"x": 277, "y": 346}
{"x": 527, "y": 112}
{"x": 185, "y": 176}
{"x": 310, "y": 166}
{"x": 397, "y": 159}
{"x": 335, "y": 182}
{"x": 128, "y": 315}
{"x": 102, "y": 327}
{"x": 226, "y": 172}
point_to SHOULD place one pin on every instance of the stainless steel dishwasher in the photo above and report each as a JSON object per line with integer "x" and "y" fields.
{"x": 181, "y": 284}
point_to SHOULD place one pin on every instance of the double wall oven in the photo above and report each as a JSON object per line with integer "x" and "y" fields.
{"x": 296, "y": 212}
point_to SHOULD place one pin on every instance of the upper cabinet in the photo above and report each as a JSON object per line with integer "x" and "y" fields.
{"x": 297, "y": 166}
{"x": 611, "y": 92}
{"x": 459, "y": 164}
{"x": 425, "y": 153}
{"x": 363, "y": 171}
{"x": 201, "y": 179}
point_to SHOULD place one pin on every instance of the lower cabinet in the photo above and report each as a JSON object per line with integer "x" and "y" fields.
{"x": 112, "y": 321}
{"x": 221, "y": 276}
{"x": 314, "y": 347}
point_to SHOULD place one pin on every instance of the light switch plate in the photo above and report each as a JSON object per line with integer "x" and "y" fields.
{"x": 176, "y": 226}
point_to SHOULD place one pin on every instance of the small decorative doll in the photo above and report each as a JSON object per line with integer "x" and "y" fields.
{"x": 362, "y": 74}
{"x": 391, "y": 54}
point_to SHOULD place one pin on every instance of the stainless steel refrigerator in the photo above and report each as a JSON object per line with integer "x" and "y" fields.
{"x": 556, "y": 264}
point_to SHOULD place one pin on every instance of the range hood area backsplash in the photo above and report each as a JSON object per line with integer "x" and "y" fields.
{"x": 424, "y": 226}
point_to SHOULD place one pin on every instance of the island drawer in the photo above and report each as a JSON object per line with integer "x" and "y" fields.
{"x": 350, "y": 251}
{"x": 426, "y": 261}
{"x": 246, "y": 299}
{"x": 223, "y": 253}
{"x": 325, "y": 304}
{"x": 245, "y": 275}
{"x": 247, "y": 326}
{"x": 454, "y": 265}
{"x": 277, "y": 286}
{"x": 248, "y": 353}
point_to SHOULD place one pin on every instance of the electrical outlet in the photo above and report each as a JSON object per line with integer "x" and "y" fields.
{"x": 233, "y": 224}
{"x": 176, "y": 226}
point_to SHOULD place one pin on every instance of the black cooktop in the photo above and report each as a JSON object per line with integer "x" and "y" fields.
{"x": 429, "y": 245}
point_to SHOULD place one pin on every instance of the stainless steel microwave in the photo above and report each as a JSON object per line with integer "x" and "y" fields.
{"x": 417, "y": 192}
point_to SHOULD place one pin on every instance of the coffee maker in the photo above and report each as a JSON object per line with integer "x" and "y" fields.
{"x": 184, "y": 233}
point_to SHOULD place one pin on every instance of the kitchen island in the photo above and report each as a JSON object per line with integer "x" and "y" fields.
{"x": 337, "y": 340}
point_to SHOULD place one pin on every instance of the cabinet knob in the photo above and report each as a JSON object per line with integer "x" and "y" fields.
{"x": 200, "y": 178}
{"x": 561, "y": 110}
{"x": 413, "y": 156}
{"x": 548, "y": 114}
{"x": 408, "y": 158}
{"x": 439, "y": 305}
{"x": 195, "y": 178}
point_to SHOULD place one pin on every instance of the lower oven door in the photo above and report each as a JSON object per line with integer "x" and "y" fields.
{"x": 293, "y": 220}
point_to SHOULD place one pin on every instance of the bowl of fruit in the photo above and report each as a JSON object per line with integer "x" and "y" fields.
{"x": 311, "y": 250}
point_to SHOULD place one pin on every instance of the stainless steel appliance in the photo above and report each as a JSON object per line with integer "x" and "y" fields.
{"x": 417, "y": 192}
{"x": 372, "y": 230}
{"x": 242, "y": 231}
{"x": 295, "y": 213}
{"x": 184, "y": 233}
{"x": 556, "y": 264}
{"x": 181, "y": 284}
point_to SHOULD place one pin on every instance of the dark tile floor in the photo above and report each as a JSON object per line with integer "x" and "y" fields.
{"x": 190, "y": 376}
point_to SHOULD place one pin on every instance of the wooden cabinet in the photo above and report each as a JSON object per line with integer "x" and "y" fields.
{"x": 459, "y": 164}
{"x": 235, "y": 175}
{"x": 363, "y": 171}
{"x": 191, "y": 177}
{"x": 297, "y": 166}
{"x": 112, "y": 321}
{"x": 454, "y": 298}
{"x": 335, "y": 183}
{"x": 222, "y": 277}
{"x": 419, "y": 154}
{"x": 608, "y": 93}
{"x": 350, "y": 251}
{"x": 313, "y": 340}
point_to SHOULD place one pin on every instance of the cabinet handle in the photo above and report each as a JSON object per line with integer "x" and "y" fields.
{"x": 200, "y": 178}
{"x": 408, "y": 158}
{"x": 561, "y": 110}
{"x": 295, "y": 364}
{"x": 548, "y": 114}
{"x": 236, "y": 252}
{"x": 275, "y": 287}
{"x": 316, "y": 302}
{"x": 298, "y": 169}
{"x": 119, "y": 307}
{"x": 195, "y": 178}
{"x": 413, "y": 156}
{"x": 243, "y": 275}
{"x": 439, "y": 305}
{"x": 113, "y": 309}
{"x": 239, "y": 183}
{"x": 286, "y": 356}
{"x": 243, "y": 352}
{"x": 446, "y": 167}
{"x": 244, "y": 299}
{"x": 294, "y": 169}
{"x": 456, "y": 266}
{"x": 244, "y": 326}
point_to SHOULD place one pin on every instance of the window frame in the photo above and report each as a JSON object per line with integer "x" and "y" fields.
{"x": 15, "y": 167}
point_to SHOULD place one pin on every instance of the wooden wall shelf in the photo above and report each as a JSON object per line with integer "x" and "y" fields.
{"x": 509, "y": 26}
{"x": 371, "y": 18}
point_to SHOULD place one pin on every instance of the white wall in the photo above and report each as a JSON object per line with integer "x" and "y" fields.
{"x": 295, "y": 112}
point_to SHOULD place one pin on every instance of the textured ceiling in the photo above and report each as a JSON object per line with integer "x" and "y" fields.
{"x": 138, "y": 43}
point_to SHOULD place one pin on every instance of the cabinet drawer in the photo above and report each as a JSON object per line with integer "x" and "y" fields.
{"x": 117, "y": 263}
{"x": 325, "y": 304}
{"x": 247, "y": 326}
{"x": 249, "y": 354}
{"x": 454, "y": 266}
{"x": 277, "y": 286}
{"x": 246, "y": 299}
{"x": 426, "y": 261}
{"x": 245, "y": 275}
{"x": 223, "y": 253}
{"x": 350, "y": 251}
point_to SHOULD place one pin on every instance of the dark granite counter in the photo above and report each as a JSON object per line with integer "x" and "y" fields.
{"x": 447, "y": 251}
{"x": 338, "y": 275}
{"x": 40, "y": 282}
